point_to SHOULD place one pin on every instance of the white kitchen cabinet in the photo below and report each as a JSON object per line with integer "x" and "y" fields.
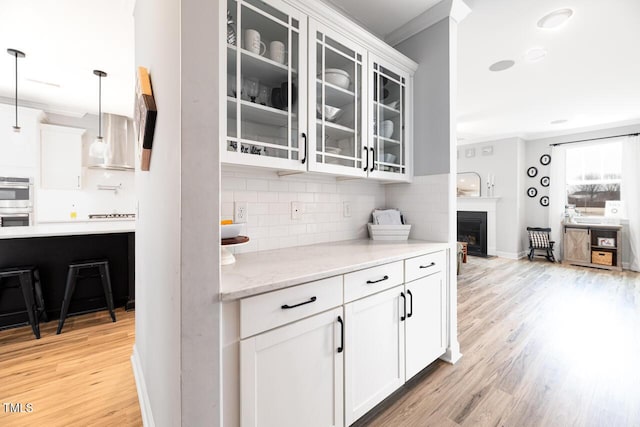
{"x": 266, "y": 90}
{"x": 389, "y": 120}
{"x": 425, "y": 332}
{"x": 293, "y": 375}
{"x": 337, "y": 103}
{"x": 374, "y": 350}
{"x": 60, "y": 157}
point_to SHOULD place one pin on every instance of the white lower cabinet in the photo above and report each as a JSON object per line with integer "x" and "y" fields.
{"x": 293, "y": 375}
{"x": 425, "y": 332}
{"x": 374, "y": 350}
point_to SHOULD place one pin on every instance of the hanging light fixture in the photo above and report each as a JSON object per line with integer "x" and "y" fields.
{"x": 98, "y": 147}
{"x": 17, "y": 54}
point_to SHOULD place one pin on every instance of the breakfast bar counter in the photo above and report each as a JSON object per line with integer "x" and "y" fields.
{"x": 258, "y": 272}
{"x": 51, "y": 248}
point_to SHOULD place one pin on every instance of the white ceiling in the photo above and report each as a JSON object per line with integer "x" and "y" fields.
{"x": 589, "y": 77}
{"x": 64, "y": 42}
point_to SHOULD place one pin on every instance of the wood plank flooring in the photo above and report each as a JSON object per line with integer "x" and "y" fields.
{"x": 82, "y": 377}
{"x": 543, "y": 344}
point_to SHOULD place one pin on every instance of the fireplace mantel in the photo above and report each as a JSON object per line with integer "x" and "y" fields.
{"x": 483, "y": 204}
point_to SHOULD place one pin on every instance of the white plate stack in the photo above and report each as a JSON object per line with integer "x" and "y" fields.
{"x": 387, "y": 225}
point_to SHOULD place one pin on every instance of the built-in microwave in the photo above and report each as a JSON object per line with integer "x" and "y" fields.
{"x": 16, "y": 192}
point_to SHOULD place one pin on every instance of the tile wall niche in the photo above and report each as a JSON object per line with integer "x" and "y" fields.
{"x": 269, "y": 198}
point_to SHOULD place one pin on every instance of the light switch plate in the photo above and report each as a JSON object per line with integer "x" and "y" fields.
{"x": 346, "y": 209}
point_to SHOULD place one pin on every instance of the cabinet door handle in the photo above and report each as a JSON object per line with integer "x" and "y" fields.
{"x": 341, "y": 348}
{"x": 410, "y": 303}
{"x": 404, "y": 303}
{"x": 304, "y": 159}
{"x": 379, "y": 280}
{"x": 427, "y": 266}
{"x": 286, "y": 306}
{"x": 373, "y": 158}
{"x": 366, "y": 154}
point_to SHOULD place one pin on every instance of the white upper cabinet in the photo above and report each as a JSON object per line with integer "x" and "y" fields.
{"x": 337, "y": 103}
{"x": 305, "y": 93}
{"x": 60, "y": 158}
{"x": 389, "y": 140}
{"x": 266, "y": 85}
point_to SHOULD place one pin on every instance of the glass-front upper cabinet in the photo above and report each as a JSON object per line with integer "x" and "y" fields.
{"x": 337, "y": 103}
{"x": 266, "y": 82}
{"x": 389, "y": 107}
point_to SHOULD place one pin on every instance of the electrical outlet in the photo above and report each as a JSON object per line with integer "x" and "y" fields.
{"x": 240, "y": 212}
{"x": 346, "y": 209}
{"x": 296, "y": 210}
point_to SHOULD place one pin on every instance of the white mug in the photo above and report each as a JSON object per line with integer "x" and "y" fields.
{"x": 252, "y": 42}
{"x": 276, "y": 51}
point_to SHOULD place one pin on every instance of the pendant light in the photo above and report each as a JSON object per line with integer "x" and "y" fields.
{"x": 17, "y": 54}
{"x": 98, "y": 147}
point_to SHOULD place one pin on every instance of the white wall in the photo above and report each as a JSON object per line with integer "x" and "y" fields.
{"x": 322, "y": 198}
{"x": 508, "y": 155}
{"x": 158, "y": 278}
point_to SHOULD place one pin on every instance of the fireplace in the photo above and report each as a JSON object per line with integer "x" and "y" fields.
{"x": 472, "y": 228}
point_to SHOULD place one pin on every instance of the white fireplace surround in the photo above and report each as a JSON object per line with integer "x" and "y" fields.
{"x": 483, "y": 204}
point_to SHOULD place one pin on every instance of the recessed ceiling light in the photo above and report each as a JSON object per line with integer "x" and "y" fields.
{"x": 535, "y": 54}
{"x": 559, "y": 122}
{"x": 555, "y": 18}
{"x": 502, "y": 65}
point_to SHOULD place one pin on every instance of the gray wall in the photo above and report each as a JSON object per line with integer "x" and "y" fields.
{"x": 505, "y": 161}
{"x": 432, "y": 98}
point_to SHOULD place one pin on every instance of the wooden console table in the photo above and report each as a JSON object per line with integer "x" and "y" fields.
{"x": 593, "y": 245}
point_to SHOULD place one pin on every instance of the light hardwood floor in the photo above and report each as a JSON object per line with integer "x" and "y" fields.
{"x": 82, "y": 377}
{"x": 543, "y": 344}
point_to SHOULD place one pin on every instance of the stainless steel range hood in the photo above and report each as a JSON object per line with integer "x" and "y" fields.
{"x": 119, "y": 137}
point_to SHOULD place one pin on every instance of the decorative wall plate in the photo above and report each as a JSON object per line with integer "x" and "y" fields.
{"x": 532, "y": 171}
{"x": 544, "y": 201}
{"x": 532, "y": 192}
{"x": 544, "y": 181}
{"x": 545, "y": 159}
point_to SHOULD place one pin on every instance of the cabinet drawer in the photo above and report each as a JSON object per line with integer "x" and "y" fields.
{"x": 268, "y": 311}
{"x": 371, "y": 280}
{"x": 424, "y": 265}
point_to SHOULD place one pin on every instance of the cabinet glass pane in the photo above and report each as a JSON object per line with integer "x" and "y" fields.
{"x": 338, "y": 103}
{"x": 262, "y": 86}
{"x": 389, "y": 121}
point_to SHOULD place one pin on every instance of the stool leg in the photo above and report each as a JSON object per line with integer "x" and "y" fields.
{"x": 106, "y": 285}
{"x": 37, "y": 287}
{"x": 27, "y": 291}
{"x": 72, "y": 276}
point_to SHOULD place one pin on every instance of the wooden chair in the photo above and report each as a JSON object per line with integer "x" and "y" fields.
{"x": 539, "y": 239}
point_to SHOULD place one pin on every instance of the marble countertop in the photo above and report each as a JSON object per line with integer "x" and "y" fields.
{"x": 258, "y": 272}
{"x": 67, "y": 229}
{"x": 591, "y": 225}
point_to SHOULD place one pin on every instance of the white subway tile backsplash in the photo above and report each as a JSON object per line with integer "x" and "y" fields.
{"x": 279, "y": 208}
{"x": 267, "y": 197}
{"x": 233, "y": 183}
{"x": 245, "y": 196}
{"x": 257, "y": 184}
{"x": 296, "y": 187}
{"x": 314, "y": 187}
{"x": 278, "y": 186}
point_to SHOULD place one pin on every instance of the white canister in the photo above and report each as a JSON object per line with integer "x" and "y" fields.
{"x": 276, "y": 51}
{"x": 252, "y": 42}
{"x": 387, "y": 129}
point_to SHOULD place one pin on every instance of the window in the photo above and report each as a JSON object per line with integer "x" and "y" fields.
{"x": 594, "y": 174}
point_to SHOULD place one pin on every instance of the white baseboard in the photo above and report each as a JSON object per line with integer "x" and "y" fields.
{"x": 511, "y": 255}
{"x": 451, "y": 356}
{"x": 141, "y": 386}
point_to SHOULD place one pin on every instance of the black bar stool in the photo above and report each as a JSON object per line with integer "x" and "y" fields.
{"x": 72, "y": 277}
{"x": 29, "y": 278}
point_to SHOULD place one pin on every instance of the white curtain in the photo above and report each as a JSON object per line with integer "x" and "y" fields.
{"x": 557, "y": 195}
{"x": 630, "y": 195}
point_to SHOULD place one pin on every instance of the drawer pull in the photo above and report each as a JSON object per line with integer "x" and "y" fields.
{"x": 427, "y": 266}
{"x": 286, "y": 306}
{"x": 379, "y": 280}
{"x": 410, "y": 304}
{"x": 341, "y": 348}
{"x": 404, "y": 302}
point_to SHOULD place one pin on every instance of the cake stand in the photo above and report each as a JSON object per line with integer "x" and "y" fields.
{"x": 226, "y": 257}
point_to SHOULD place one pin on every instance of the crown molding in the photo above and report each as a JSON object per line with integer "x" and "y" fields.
{"x": 456, "y": 10}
